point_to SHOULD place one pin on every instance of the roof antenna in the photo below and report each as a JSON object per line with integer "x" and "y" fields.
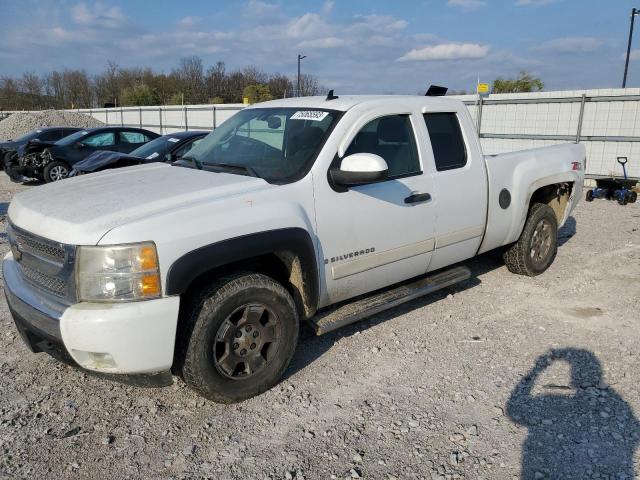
{"x": 436, "y": 91}
{"x": 331, "y": 96}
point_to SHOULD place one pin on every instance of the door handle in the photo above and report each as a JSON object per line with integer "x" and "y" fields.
{"x": 417, "y": 198}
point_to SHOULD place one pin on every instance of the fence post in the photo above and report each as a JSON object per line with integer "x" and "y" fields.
{"x": 106, "y": 116}
{"x": 121, "y": 118}
{"x": 214, "y": 117}
{"x": 480, "y": 104}
{"x": 186, "y": 124}
{"x": 581, "y": 118}
{"x": 140, "y": 116}
{"x": 160, "y": 115}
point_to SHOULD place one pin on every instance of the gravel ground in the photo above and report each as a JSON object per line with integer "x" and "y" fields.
{"x": 501, "y": 377}
{"x": 20, "y": 123}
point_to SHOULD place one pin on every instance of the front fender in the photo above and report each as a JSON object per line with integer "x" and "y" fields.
{"x": 190, "y": 266}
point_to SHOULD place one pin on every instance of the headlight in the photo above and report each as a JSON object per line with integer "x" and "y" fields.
{"x": 118, "y": 273}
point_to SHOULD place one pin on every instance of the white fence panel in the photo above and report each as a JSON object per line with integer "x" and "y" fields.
{"x": 607, "y": 122}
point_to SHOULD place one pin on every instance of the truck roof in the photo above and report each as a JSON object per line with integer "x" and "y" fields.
{"x": 346, "y": 102}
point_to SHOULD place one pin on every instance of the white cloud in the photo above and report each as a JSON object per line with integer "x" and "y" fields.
{"x": 98, "y": 16}
{"x": 571, "y": 45}
{"x": 188, "y": 22}
{"x": 467, "y": 4}
{"x": 447, "y": 51}
{"x": 258, "y": 8}
{"x": 535, "y": 2}
{"x": 635, "y": 55}
{"x": 322, "y": 43}
{"x": 327, "y": 8}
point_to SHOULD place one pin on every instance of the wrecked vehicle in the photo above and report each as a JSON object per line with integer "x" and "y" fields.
{"x": 52, "y": 161}
{"x": 168, "y": 148}
{"x": 324, "y": 210}
{"x": 14, "y": 148}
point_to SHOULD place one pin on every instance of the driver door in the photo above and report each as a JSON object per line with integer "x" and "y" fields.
{"x": 375, "y": 235}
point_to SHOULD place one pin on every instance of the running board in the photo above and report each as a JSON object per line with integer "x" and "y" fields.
{"x": 352, "y": 312}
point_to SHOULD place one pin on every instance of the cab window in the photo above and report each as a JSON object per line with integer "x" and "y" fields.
{"x": 447, "y": 141}
{"x": 391, "y": 138}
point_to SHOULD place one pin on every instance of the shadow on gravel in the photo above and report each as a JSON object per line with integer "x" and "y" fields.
{"x": 311, "y": 347}
{"x": 567, "y": 231}
{"x": 576, "y": 431}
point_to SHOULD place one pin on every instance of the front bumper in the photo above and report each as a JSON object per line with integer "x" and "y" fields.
{"x": 131, "y": 343}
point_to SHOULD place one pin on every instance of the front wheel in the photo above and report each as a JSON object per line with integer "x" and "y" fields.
{"x": 55, "y": 171}
{"x": 239, "y": 338}
{"x": 537, "y": 246}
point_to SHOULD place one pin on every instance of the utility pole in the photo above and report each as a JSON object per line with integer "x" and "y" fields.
{"x": 634, "y": 12}
{"x": 300, "y": 57}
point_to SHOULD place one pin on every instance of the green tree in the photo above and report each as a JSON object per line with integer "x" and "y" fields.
{"x": 525, "y": 82}
{"x": 140, "y": 94}
{"x": 257, "y": 93}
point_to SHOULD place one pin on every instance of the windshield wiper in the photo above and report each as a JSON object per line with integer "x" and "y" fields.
{"x": 196, "y": 162}
{"x": 233, "y": 168}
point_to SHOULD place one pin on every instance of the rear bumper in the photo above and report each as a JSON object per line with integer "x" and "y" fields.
{"x": 129, "y": 343}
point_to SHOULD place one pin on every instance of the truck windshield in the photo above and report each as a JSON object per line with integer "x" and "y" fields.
{"x": 276, "y": 144}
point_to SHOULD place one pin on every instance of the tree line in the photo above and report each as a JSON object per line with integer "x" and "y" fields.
{"x": 189, "y": 83}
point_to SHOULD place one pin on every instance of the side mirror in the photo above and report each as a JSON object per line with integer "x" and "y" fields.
{"x": 360, "y": 169}
{"x": 274, "y": 122}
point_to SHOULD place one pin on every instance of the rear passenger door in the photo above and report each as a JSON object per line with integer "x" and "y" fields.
{"x": 130, "y": 140}
{"x": 460, "y": 186}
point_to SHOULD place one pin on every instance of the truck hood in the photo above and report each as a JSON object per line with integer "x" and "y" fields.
{"x": 81, "y": 210}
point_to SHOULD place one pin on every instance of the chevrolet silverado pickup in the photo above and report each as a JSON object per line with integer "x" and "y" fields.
{"x": 323, "y": 210}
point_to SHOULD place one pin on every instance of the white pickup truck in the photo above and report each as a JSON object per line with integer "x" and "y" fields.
{"x": 323, "y": 210}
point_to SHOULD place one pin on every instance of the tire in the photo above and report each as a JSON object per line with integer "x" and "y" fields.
{"x": 6, "y": 158}
{"x": 56, "y": 170}
{"x": 537, "y": 246}
{"x": 221, "y": 353}
{"x": 589, "y": 197}
{"x": 633, "y": 197}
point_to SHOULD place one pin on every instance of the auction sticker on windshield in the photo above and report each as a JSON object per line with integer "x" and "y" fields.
{"x": 315, "y": 115}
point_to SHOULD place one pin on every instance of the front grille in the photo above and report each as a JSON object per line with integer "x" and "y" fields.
{"x": 45, "y": 264}
{"x": 52, "y": 284}
{"x": 39, "y": 248}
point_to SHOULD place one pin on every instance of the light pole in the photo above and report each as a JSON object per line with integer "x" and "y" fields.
{"x": 300, "y": 57}
{"x": 634, "y": 12}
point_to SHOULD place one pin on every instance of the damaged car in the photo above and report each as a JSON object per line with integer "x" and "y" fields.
{"x": 50, "y": 161}
{"x": 15, "y": 148}
{"x": 168, "y": 148}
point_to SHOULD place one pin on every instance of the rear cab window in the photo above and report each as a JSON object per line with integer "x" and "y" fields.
{"x": 447, "y": 141}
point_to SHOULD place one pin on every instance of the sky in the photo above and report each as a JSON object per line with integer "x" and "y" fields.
{"x": 352, "y": 46}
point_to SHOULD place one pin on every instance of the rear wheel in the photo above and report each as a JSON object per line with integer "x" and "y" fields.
{"x": 55, "y": 171}
{"x": 240, "y": 336}
{"x": 537, "y": 246}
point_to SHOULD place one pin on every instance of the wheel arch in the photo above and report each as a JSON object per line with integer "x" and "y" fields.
{"x": 287, "y": 255}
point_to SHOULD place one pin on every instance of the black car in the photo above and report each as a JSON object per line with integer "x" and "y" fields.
{"x": 54, "y": 161}
{"x": 11, "y": 148}
{"x": 168, "y": 148}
